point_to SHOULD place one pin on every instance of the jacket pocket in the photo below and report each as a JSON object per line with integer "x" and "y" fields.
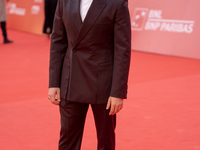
{"x": 104, "y": 82}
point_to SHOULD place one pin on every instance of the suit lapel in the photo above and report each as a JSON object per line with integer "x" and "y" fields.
{"x": 75, "y": 13}
{"x": 94, "y": 11}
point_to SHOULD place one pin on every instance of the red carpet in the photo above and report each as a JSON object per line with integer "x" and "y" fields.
{"x": 161, "y": 113}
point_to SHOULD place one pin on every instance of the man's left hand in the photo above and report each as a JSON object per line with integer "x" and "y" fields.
{"x": 115, "y": 104}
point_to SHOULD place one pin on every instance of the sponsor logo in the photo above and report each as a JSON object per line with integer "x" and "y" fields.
{"x": 35, "y": 9}
{"x": 38, "y": 1}
{"x": 12, "y": 9}
{"x": 152, "y": 20}
{"x": 139, "y": 18}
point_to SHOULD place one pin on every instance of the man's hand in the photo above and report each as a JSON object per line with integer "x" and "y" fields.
{"x": 115, "y": 105}
{"x": 53, "y": 92}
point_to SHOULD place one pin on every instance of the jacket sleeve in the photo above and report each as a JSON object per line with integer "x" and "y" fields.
{"x": 58, "y": 48}
{"x": 122, "y": 51}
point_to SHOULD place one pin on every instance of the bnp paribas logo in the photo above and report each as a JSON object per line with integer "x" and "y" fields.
{"x": 139, "y": 18}
{"x": 152, "y": 20}
{"x": 13, "y": 9}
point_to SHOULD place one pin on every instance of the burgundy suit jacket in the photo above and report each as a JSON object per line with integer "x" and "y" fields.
{"x": 90, "y": 61}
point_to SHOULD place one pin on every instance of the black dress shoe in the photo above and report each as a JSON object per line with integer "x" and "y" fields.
{"x": 7, "y": 41}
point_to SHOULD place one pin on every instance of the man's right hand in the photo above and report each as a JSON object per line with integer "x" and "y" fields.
{"x": 53, "y": 92}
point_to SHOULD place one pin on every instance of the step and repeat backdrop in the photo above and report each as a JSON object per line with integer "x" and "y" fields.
{"x": 26, "y": 15}
{"x": 169, "y": 27}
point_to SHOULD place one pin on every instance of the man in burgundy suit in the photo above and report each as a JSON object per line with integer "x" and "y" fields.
{"x": 89, "y": 65}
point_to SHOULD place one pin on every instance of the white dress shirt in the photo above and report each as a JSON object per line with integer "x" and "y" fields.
{"x": 84, "y": 7}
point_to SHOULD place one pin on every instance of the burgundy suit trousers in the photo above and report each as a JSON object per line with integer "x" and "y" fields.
{"x": 73, "y": 116}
